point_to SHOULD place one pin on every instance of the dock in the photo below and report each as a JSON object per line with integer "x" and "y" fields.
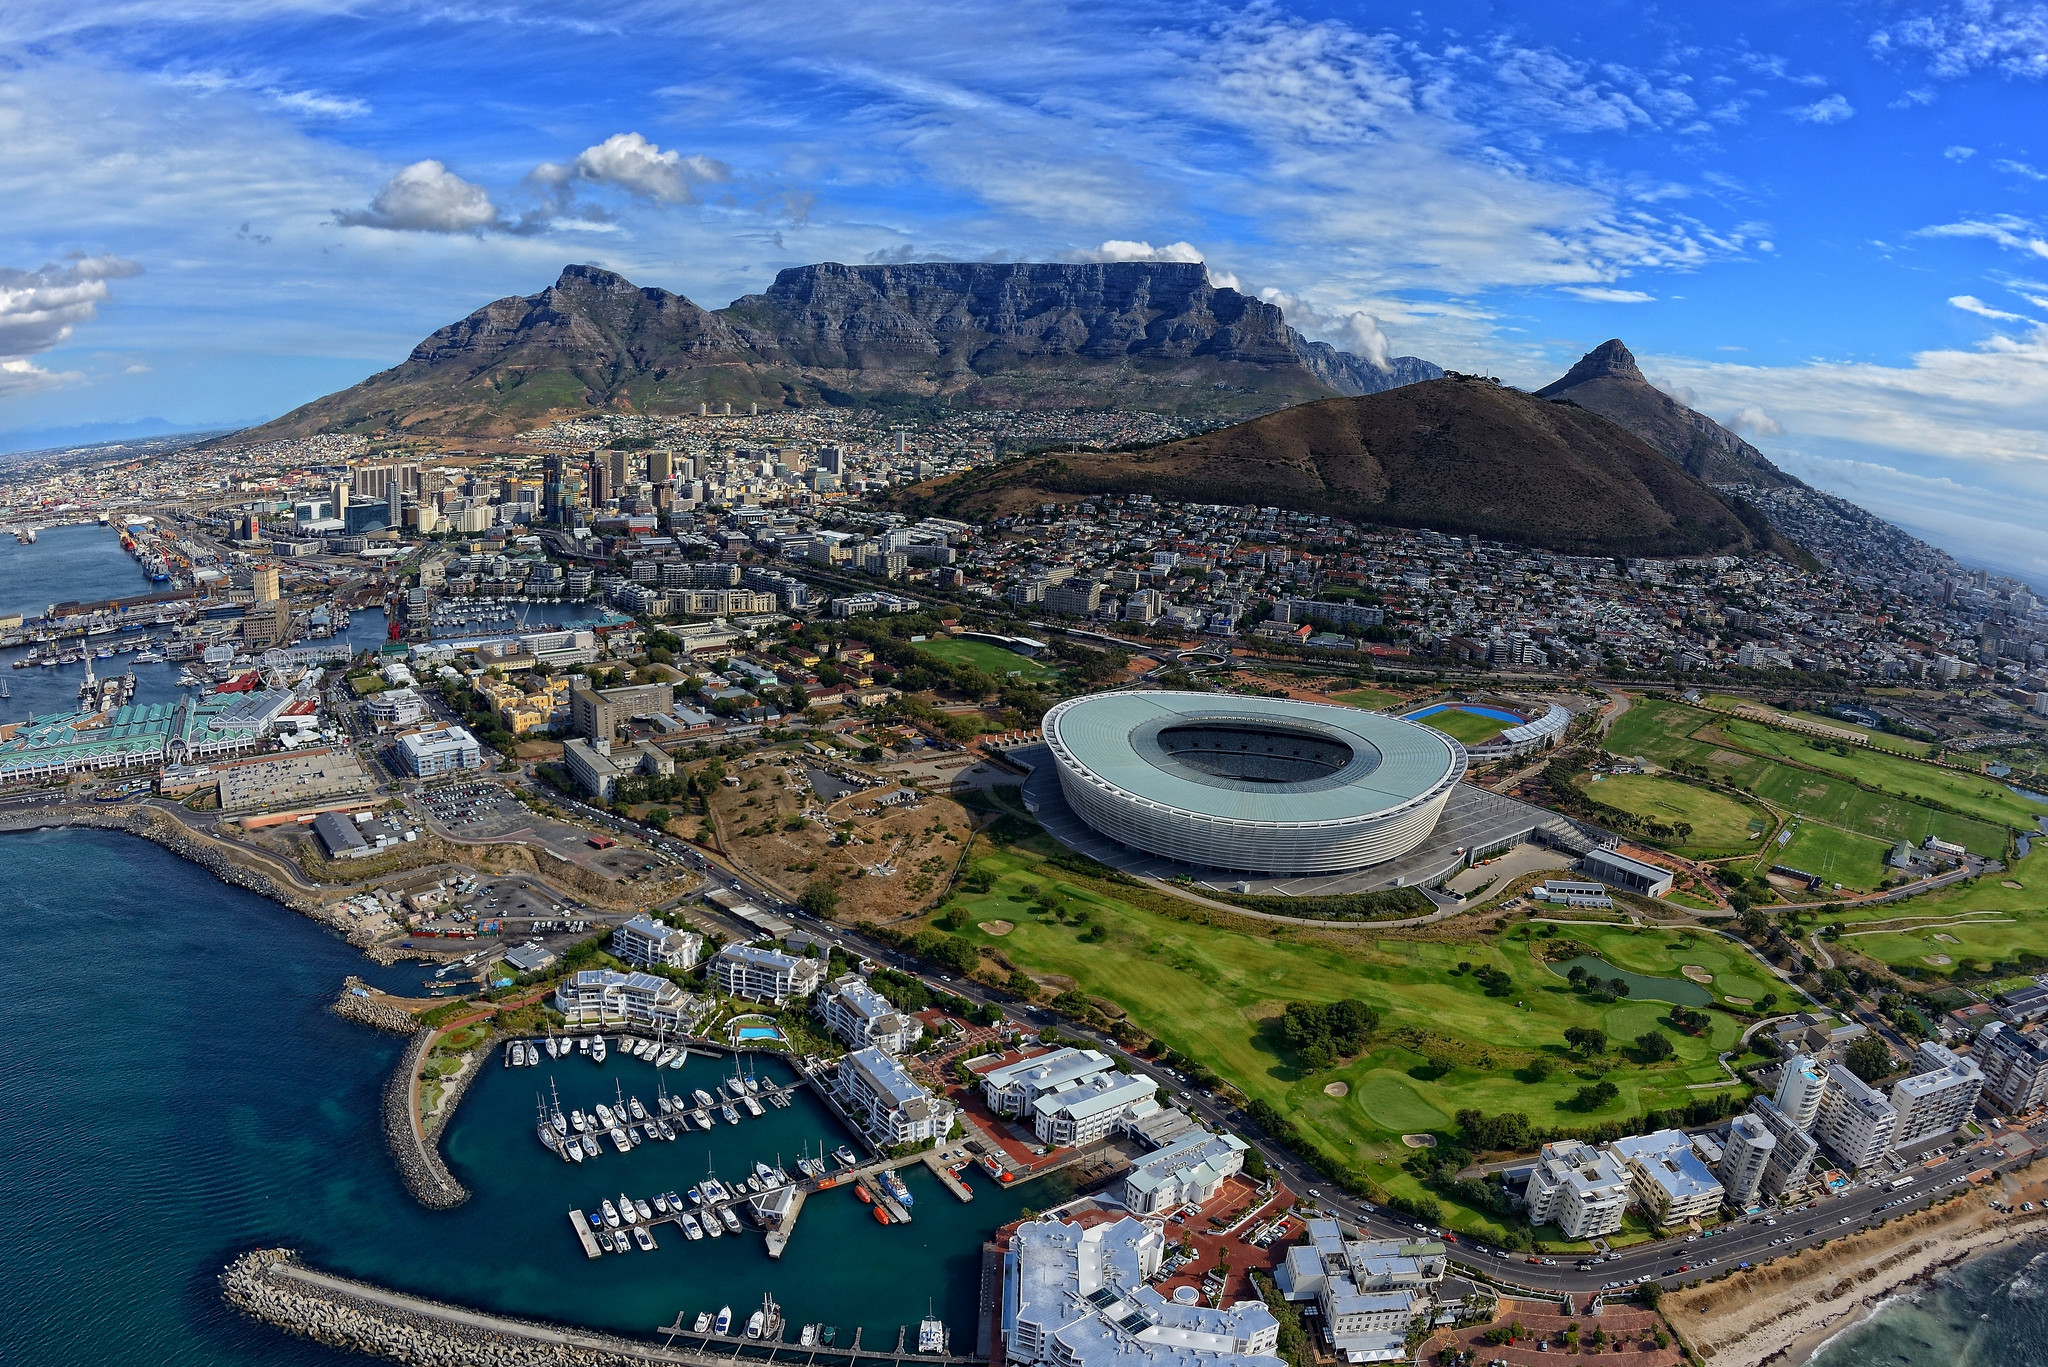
{"x": 946, "y": 1176}
{"x": 897, "y": 1213}
{"x": 778, "y": 1238}
{"x": 728, "y": 1348}
{"x": 582, "y": 1224}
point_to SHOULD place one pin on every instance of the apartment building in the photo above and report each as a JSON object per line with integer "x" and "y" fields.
{"x": 764, "y": 974}
{"x": 861, "y": 1016}
{"x": 2014, "y": 1061}
{"x": 644, "y": 940}
{"x": 1856, "y": 1123}
{"x": 886, "y": 1103}
{"x": 1669, "y": 1180}
{"x": 1939, "y": 1096}
{"x": 1579, "y": 1189}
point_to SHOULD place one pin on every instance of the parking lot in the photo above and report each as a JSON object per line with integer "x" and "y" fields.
{"x": 474, "y": 811}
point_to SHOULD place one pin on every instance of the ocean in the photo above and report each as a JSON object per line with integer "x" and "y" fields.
{"x": 176, "y": 1091}
{"x": 1989, "y": 1312}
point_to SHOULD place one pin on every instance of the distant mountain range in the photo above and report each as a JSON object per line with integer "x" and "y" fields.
{"x": 1147, "y": 335}
{"x": 1458, "y": 454}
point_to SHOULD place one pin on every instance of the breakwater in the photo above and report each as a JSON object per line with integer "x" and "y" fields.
{"x": 354, "y": 1004}
{"x": 418, "y": 1157}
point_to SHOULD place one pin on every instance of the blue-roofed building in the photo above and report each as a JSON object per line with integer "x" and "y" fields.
{"x": 886, "y": 1102}
{"x": 1671, "y": 1182}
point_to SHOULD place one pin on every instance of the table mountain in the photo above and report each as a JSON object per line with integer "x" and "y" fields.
{"x": 1607, "y": 380}
{"x": 1139, "y": 334}
{"x": 1458, "y": 454}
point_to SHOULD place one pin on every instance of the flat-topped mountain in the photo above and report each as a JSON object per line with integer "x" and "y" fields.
{"x": 1608, "y": 381}
{"x": 1459, "y": 454}
{"x": 1146, "y": 335}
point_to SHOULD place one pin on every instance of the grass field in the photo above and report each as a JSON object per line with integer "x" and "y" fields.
{"x": 1749, "y": 755}
{"x": 1214, "y": 994}
{"x": 1371, "y": 699}
{"x": 990, "y": 659}
{"x": 1467, "y": 727}
{"x": 1721, "y": 825}
{"x": 1854, "y": 861}
{"x": 1882, "y": 740}
{"x": 1983, "y": 920}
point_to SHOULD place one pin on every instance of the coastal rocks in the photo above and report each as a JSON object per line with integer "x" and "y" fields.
{"x": 270, "y": 1285}
{"x": 354, "y": 1004}
{"x": 419, "y": 1161}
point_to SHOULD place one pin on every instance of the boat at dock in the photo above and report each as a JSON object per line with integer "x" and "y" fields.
{"x": 931, "y": 1333}
{"x": 691, "y": 1229}
{"x": 845, "y": 1158}
{"x": 753, "y": 1106}
{"x": 643, "y": 1239}
{"x": 626, "y": 1211}
{"x": 703, "y": 1098}
{"x": 590, "y": 1149}
{"x": 893, "y": 1184}
{"x": 703, "y": 1325}
{"x": 724, "y": 1324}
{"x": 727, "y": 1218}
{"x": 702, "y": 1118}
{"x": 597, "y": 1048}
{"x": 611, "y": 1214}
{"x": 732, "y": 1117}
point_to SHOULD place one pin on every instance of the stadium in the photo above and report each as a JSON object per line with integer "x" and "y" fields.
{"x": 1264, "y": 785}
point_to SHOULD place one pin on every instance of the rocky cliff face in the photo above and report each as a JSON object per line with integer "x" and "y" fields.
{"x": 1144, "y": 335}
{"x": 1608, "y": 381}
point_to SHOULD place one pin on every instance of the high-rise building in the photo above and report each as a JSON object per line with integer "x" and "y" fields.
{"x": 2014, "y": 1061}
{"x": 1799, "y": 1095}
{"x": 619, "y": 465}
{"x": 394, "y": 503}
{"x": 602, "y": 487}
{"x": 1577, "y": 1187}
{"x": 264, "y": 580}
{"x": 1791, "y": 1156}
{"x": 660, "y": 466}
{"x": 553, "y": 487}
{"x": 339, "y": 491}
{"x": 1939, "y": 1096}
{"x": 1745, "y": 1160}
{"x": 1856, "y": 1122}
{"x": 832, "y": 460}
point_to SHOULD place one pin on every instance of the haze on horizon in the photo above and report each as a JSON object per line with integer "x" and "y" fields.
{"x": 1822, "y": 225}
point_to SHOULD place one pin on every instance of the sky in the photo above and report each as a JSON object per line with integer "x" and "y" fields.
{"x": 1824, "y": 223}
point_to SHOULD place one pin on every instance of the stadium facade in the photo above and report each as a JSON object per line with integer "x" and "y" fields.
{"x": 1264, "y": 785}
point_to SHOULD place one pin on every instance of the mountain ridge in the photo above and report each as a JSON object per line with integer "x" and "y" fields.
{"x": 1152, "y": 335}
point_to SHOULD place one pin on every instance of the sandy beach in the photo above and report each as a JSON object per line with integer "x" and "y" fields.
{"x": 1781, "y": 1313}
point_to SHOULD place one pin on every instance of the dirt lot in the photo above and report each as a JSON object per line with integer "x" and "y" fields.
{"x": 900, "y": 857}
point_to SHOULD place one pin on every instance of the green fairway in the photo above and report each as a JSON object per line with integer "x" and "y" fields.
{"x": 1214, "y": 994}
{"x": 1854, "y": 861}
{"x": 1721, "y": 825}
{"x": 992, "y": 660}
{"x": 1982, "y": 920}
{"x": 1467, "y": 727}
{"x": 1371, "y": 699}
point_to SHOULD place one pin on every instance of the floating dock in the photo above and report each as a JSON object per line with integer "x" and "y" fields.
{"x": 947, "y": 1176}
{"x": 778, "y": 1238}
{"x": 582, "y": 1224}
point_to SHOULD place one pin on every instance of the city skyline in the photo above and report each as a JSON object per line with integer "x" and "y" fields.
{"x": 1817, "y": 232}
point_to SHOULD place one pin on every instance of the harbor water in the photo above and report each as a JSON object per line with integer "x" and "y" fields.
{"x": 1991, "y": 1311}
{"x": 177, "y": 1091}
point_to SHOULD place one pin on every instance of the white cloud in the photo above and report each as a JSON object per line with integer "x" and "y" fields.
{"x": 2007, "y": 230}
{"x": 1959, "y": 153}
{"x": 1970, "y": 303}
{"x": 1833, "y": 109}
{"x": 425, "y": 197}
{"x": 1348, "y": 329}
{"x": 40, "y": 308}
{"x": 1603, "y": 295}
{"x": 1974, "y": 35}
{"x": 1751, "y": 420}
{"x": 2019, "y": 168}
{"x": 633, "y": 164}
{"x": 18, "y": 376}
{"x": 1117, "y": 249}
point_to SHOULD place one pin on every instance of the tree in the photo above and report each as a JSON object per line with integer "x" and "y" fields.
{"x": 1586, "y": 1041}
{"x": 820, "y": 899}
{"x": 1869, "y": 1058}
{"x": 1653, "y": 1047}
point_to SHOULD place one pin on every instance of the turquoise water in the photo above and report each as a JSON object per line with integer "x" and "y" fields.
{"x": 1989, "y": 1312}
{"x": 176, "y": 1092}
{"x": 1493, "y": 712}
{"x": 1677, "y": 991}
{"x": 755, "y": 1032}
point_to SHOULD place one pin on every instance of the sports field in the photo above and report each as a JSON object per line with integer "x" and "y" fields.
{"x": 1470, "y": 728}
{"x": 1756, "y": 757}
{"x": 1854, "y": 861}
{"x": 1882, "y": 740}
{"x": 1214, "y": 994}
{"x": 992, "y": 660}
{"x": 1721, "y": 825}
{"x": 1371, "y": 699}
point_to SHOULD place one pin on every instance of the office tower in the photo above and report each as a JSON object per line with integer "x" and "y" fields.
{"x": 265, "y": 583}
{"x": 660, "y": 466}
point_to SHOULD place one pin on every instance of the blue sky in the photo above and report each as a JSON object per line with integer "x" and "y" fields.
{"x": 1823, "y": 223}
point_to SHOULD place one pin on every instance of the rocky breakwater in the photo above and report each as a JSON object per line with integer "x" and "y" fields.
{"x": 417, "y": 1155}
{"x": 363, "y": 1004}
{"x": 271, "y": 1285}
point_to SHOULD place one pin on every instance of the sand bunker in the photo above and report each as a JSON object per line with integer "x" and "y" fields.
{"x": 1937, "y": 959}
{"x": 996, "y": 928}
{"x": 1419, "y": 1141}
{"x": 1696, "y": 973}
{"x": 1337, "y": 1089}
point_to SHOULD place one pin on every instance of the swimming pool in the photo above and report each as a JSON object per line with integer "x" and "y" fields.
{"x": 754, "y": 1032}
{"x": 1493, "y": 712}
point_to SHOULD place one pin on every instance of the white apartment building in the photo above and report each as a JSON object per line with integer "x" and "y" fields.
{"x": 2015, "y": 1065}
{"x": 1075, "y": 1297}
{"x": 605, "y": 996}
{"x": 1090, "y": 1109}
{"x": 1937, "y": 1098}
{"x": 1669, "y": 1180}
{"x": 861, "y": 1016}
{"x": 1184, "y": 1173}
{"x": 1014, "y": 1088}
{"x": 1581, "y": 1190}
{"x": 1800, "y": 1092}
{"x": 1856, "y": 1122}
{"x": 1369, "y": 1292}
{"x": 760, "y": 973}
{"x": 1745, "y": 1160}
{"x": 437, "y": 750}
{"x": 1792, "y": 1152}
{"x": 887, "y": 1104}
{"x": 644, "y": 940}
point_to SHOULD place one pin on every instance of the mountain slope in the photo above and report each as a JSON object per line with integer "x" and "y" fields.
{"x": 1607, "y": 380}
{"x": 1145, "y": 335}
{"x": 1459, "y": 454}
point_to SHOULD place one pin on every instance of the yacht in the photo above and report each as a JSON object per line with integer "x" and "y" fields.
{"x": 635, "y": 1109}
{"x": 626, "y": 1211}
{"x": 646, "y": 1212}
{"x": 702, "y": 1117}
{"x": 703, "y": 1098}
{"x": 712, "y": 1228}
{"x": 724, "y": 1324}
{"x": 576, "y": 1119}
{"x": 809, "y": 1337}
{"x": 682, "y": 1057}
{"x": 668, "y": 1133}
{"x": 620, "y": 1141}
{"x": 732, "y": 1117}
{"x": 931, "y": 1334}
{"x": 755, "y": 1323}
{"x": 590, "y": 1149}
{"x": 583, "y": 1045}
{"x": 643, "y": 1238}
{"x": 703, "y": 1325}
{"x": 611, "y": 1214}
{"x": 691, "y": 1229}
{"x": 729, "y": 1220}
{"x": 573, "y": 1146}
{"x": 845, "y": 1157}
{"x": 597, "y": 1048}
{"x": 753, "y": 1106}
{"x": 662, "y": 1101}
{"x": 668, "y": 1052}
{"x": 765, "y": 1175}
{"x": 605, "y": 1118}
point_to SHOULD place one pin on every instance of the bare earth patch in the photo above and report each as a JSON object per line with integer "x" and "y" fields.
{"x": 1337, "y": 1089}
{"x": 995, "y": 928}
{"x": 1419, "y": 1141}
{"x": 1696, "y": 973}
{"x": 2008, "y": 883}
{"x": 1938, "y": 959}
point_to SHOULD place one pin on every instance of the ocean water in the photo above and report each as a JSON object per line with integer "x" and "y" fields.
{"x": 1989, "y": 1312}
{"x": 175, "y": 1091}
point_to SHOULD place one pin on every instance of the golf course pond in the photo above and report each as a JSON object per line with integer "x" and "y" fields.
{"x": 1677, "y": 991}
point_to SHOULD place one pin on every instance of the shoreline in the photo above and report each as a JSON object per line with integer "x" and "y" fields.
{"x": 1780, "y": 1313}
